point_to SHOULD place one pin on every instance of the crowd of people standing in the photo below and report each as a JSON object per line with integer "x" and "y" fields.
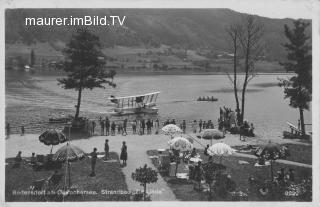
{"x": 140, "y": 127}
{"x": 107, "y": 127}
{"x": 148, "y": 126}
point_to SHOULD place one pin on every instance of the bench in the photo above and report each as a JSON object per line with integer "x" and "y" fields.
{"x": 294, "y": 129}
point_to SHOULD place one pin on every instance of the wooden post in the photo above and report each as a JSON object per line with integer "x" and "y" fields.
{"x": 69, "y": 173}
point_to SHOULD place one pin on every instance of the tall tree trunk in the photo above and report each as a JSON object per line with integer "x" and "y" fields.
{"x": 247, "y": 67}
{"x": 243, "y": 102}
{"x": 303, "y": 129}
{"x": 144, "y": 191}
{"x": 78, "y": 104}
{"x": 235, "y": 79}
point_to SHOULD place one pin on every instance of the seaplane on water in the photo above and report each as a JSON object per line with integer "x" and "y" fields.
{"x": 145, "y": 103}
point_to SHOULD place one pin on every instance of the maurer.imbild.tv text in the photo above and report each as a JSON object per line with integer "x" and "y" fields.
{"x": 76, "y": 21}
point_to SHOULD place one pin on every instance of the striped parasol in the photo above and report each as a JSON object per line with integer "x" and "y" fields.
{"x": 69, "y": 153}
{"x": 212, "y": 134}
{"x": 220, "y": 149}
{"x": 52, "y": 137}
{"x": 181, "y": 144}
{"x": 171, "y": 129}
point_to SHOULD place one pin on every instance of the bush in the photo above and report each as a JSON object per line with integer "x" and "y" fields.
{"x": 145, "y": 175}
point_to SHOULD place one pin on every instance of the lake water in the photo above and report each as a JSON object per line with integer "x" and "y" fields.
{"x": 265, "y": 105}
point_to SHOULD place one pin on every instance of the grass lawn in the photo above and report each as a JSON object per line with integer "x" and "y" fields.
{"x": 298, "y": 153}
{"x": 108, "y": 177}
{"x": 183, "y": 189}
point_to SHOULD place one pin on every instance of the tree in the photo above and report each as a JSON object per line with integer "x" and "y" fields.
{"x": 299, "y": 87}
{"x": 246, "y": 38}
{"x": 145, "y": 175}
{"x": 32, "y": 58}
{"x": 234, "y": 31}
{"x": 84, "y": 65}
{"x": 250, "y": 41}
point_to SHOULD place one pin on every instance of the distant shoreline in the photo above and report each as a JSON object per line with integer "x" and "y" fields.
{"x": 152, "y": 73}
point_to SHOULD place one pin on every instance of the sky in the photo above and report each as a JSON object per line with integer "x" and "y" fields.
{"x": 268, "y": 8}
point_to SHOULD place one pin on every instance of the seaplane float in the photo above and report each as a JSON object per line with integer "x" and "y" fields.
{"x": 137, "y": 104}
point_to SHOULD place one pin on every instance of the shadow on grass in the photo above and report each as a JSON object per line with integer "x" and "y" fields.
{"x": 109, "y": 177}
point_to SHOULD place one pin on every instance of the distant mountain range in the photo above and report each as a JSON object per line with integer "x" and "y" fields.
{"x": 184, "y": 28}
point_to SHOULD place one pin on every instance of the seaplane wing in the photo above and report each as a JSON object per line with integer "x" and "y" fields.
{"x": 134, "y": 96}
{"x": 144, "y": 103}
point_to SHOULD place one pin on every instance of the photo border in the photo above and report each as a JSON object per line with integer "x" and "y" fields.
{"x": 308, "y": 7}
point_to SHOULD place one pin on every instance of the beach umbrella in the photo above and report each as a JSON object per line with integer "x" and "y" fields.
{"x": 272, "y": 151}
{"x": 181, "y": 144}
{"x": 212, "y": 134}
{"x": 52, "y": 137}
{"x": 220, "y": 149}
{"x": 171, "y": 129}
{"x": 69, "y": 153}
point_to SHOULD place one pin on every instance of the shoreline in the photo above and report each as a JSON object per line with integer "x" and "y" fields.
{"x": 145, "y": 73}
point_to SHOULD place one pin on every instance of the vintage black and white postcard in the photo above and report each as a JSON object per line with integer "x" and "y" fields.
{"x": 127, "y": 101}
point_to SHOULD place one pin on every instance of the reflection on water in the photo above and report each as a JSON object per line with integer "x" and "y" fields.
{"x": 265, "y": 106}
